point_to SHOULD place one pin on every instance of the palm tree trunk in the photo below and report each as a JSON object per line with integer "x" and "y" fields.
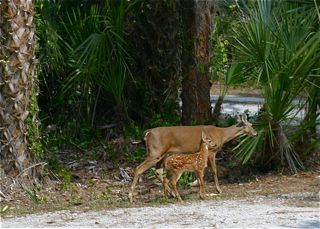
{"x": 197, "y": 21}
{"x": 17, "y": 70}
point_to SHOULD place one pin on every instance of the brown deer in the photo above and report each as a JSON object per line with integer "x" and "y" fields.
{"x": 178, "y": 163}
{"x": 186, "y": 139}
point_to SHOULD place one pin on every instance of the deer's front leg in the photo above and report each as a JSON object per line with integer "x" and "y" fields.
{"x": 202, "y": 191}
{"x": 174, "y": 179}
{"x": 212, "y": 160}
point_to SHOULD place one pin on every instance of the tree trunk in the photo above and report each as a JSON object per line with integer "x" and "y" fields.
{"x": 197, "y": 22}
{"x": 153, "y": 28}
{"x": 17, "y": 70}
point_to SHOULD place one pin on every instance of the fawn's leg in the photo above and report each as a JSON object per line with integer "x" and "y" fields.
{"x": 174, "y": 179}
{"x": 159, "y": 175}
{"x": 200, "y": 175}
{"x": 165, "y": 185}
{"x": 212, "y": 160}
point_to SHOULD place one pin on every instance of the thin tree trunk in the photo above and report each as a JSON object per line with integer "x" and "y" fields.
{"x": 311, "y": 113}
{"x": 197, "y": 22}
{"x": 217, "y": 109}
{"x": 17, "y": 69}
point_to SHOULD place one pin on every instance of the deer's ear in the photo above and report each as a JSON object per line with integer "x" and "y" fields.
{"x": 238, "y": 118}
{"x": 244, "y": 118}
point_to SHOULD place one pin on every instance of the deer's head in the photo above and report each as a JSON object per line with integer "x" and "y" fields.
{"x": 248, "y": 129}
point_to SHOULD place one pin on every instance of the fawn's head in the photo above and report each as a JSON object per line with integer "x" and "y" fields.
{"x": 208, "y": 141}
{"x": 248, "y": 129}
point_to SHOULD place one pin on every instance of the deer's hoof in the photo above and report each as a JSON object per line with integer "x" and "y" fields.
{"x": 202, "y": 196}
{"x": 130, "y": 197}
{"x": 211, "y": 194}
{"x": 194, "y": 183}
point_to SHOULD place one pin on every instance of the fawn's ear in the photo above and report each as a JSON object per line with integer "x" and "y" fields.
{"x": 203, "y": 136}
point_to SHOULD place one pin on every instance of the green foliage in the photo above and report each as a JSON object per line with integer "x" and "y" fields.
{"x": 65, "y": 175}
{"x": 137, "y": 155}
{"x": 313, "y": 147}
{"x": 98, "y": 53}
{"x": 169, "y": 117}
{"x": 224, "y": 69}
{"x": 51, "y": 144}
{"x": 186, "y": 178}
{"x": 278, "y": 44}
{"x": 56, "y": 139}
{"x": 132, "y": 130}
{"x": 34, "y": 196}
{"x": 304, "y": 139}
{"x": 85, "y": 73}
{"x": 228, "y": 121}
{"x": 32, "y": 121}
{"x": 222, "y": 39}
{"x": 34, "y": 139}
{"x": 219, "y": 59}
{"x": 106, "y": 195}
{"x": 84, "y": 57}
{"x": 89, "y": 52}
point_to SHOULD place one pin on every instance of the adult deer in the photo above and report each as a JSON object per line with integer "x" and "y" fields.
{"x": 186, "y": 139}
{"x": 178, "y": 163}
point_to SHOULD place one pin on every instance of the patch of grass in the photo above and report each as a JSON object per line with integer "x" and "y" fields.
{"x": 93, "y": 181}
{"x": 186, "y": 178}
{"x": 106, "y": 195}
{"x": 138, "y": 155}
{"x": 65, "y": 174}
{"x": 34, "y": 196}
{"x": 4, "y": 209}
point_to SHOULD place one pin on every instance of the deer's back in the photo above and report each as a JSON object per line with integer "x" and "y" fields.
{"x": 178, "y": 139}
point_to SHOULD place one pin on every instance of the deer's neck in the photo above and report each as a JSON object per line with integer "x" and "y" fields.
{"x": 232, "y": 132}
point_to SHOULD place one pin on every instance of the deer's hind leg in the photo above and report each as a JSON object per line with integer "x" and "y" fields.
{"x": 148, "y": 162}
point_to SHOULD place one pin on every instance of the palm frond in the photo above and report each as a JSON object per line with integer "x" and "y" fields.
{"x": 98, "y": 52}
{"x": 280, "y": 40}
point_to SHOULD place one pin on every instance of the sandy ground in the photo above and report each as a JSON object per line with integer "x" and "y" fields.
{"x": 299, "y": 210}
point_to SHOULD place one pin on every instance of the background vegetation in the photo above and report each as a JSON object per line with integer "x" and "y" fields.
{"x": 108, "y": 70}
{"x": 112, "y": 68}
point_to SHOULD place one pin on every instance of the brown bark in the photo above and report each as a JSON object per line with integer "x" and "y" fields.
{"x": 17, "y": 64}
{"x": 197, "y": 22}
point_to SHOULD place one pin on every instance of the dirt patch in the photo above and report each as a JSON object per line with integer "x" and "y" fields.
{"x": 249, "y": 212}
{"x": 97, "y": 190}
{"x": 98, "y": 197}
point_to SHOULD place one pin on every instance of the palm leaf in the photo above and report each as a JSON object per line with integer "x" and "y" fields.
{"x": 280, "y": 45}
